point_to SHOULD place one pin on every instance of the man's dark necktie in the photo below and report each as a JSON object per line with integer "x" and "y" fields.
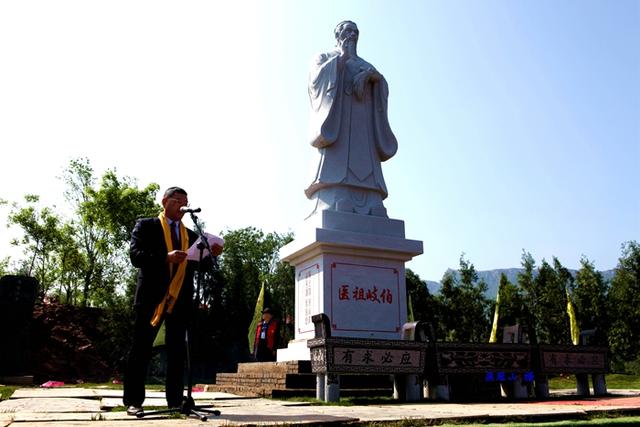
{"x": 175, "y": 238}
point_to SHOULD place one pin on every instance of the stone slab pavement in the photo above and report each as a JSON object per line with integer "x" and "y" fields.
{"x": 67, "y": 407}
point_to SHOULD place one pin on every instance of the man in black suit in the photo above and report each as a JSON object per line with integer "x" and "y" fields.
{"x": 164, "y": 292}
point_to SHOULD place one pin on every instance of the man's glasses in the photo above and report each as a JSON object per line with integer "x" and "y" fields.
{"x": 180, "y": 201}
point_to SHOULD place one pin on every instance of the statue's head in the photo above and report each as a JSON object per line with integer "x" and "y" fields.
{"x": 346, "y": 31}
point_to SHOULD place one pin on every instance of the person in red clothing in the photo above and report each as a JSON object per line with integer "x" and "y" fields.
{"x": 266, "y": 342}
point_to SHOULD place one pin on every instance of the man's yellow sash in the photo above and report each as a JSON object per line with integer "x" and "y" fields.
{"x": 169, "y": 300}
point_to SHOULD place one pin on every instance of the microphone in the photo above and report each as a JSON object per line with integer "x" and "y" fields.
{"x": 185, "y": 209}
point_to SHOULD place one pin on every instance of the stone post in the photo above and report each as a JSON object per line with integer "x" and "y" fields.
{"x": 332, "y": 388}
{"x": 599, "y": 384}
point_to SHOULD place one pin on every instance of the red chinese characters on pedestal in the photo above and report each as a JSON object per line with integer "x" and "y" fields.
{"x": 360, "y": 294}
{"x": 307, "y": 298}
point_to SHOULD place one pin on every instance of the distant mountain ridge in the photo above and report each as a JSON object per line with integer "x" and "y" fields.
{"x": 492, "y": 279}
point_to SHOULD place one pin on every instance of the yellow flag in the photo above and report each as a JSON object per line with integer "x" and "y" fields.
{"x": 410, "y": 317}
{"x": 257, "y": 317}
{"x": 494, "y": 327}
{"x": 573, "y": 323}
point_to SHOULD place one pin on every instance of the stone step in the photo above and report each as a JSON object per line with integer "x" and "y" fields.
{"x": 292, "y": 378}
{"x": 301, "y": 381}
{"x": 290, "y": 367}
{"x": 239, "y": 390}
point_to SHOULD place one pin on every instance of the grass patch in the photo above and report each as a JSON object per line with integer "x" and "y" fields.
{"x": 600, "y": 422}
{"x": 344, "y": 401}
{"x": 623, "y": 381}
{"x": 104, "y": 386}
{"x": 146, "y": 408}
{"x": 619, "y": 422}
{"x": 614, "y": 381}
{"x": 7, "y": 390}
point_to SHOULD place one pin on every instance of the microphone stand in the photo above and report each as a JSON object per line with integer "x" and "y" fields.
{"x": 189, "y": 407}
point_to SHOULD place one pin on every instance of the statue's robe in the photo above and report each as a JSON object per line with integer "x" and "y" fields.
{"x": 352, "y": 135}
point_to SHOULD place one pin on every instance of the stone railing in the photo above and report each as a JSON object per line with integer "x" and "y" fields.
{"x": 333, "y": 356}
{"x": 421, "y": 367}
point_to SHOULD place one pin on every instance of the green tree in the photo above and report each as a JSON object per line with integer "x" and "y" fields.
{"x": 42, "y": 237}
{"x": 250, "y": 258}
{"x": 117, "y": 203}
{"x": 71, "y": 264}
{"x": 512, "y": 309}
{"x": 551, "y": 314}
{"x": 564, "y": 282}
{"x": 448, "y": 298}
{"x": 425, "y": 305}
{"x": 283, "y": 289}
{"x": 590, "y": 299}
{"x": 465, "y": 308}
{"x": 4, "y": 266}
{"x": 529, "y": 288}
{"x": 92, "y": 239}
{"x": 624, "y": 300}
{"x": 84, "y": 260}
{"x": 103, "y": 220}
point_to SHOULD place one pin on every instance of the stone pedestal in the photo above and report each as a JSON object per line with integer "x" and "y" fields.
{"x": 350, "y": 267}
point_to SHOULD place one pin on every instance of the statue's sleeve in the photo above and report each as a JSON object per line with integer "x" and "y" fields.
{"x": 386, "y": 142}
{"x": 323, "y": 91}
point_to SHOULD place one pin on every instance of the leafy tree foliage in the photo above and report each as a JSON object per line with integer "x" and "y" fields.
{"x": 104, "y": 218}
{"x": 552, "y": 325}
{"x": 528, "y": 285}
{"x": 465, "y": 309}
{"x": 425, "y": 306}
{"x": 84, "y": 259}
{"x": 558, "y": 293}
{"x": 42, "y": 240}
{"x": 544, "y": 293}
{"x": 282, "y": 290}
{"x": 590, "y": 300}
{"x": 512, "y": 310}
{"x": 4, "y": 262}
{"x": 4, "y": 266}
{"x": 250, "y": 259}
{"x": 624, "y": 300}
{"x": 71, "y": 264}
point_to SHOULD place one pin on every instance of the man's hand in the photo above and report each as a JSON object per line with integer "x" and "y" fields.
{"x": 176, "y": 257}
{"x": 216, "y": 249}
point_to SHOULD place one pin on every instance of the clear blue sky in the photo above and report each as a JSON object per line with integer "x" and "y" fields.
{"x": 518, "y": 121}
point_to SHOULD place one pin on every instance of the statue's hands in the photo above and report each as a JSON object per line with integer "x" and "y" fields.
{"x": 362, "y": 78}
{"x": 374, "y": 75}
{"x": 359, "y": 82}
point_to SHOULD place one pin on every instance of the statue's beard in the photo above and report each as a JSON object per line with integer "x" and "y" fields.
{"x": 347, "y": 43}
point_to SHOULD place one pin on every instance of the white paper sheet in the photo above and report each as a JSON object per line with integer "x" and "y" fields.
{"x": 193, "y": 254}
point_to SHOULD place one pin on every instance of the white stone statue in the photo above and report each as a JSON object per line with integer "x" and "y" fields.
{"x": 349, "y": 128}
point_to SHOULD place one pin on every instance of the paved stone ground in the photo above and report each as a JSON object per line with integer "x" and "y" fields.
{"x": 66, "y": 407}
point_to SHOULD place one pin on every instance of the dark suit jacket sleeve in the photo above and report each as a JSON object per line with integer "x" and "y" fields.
{"x": 147, "y": 248}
